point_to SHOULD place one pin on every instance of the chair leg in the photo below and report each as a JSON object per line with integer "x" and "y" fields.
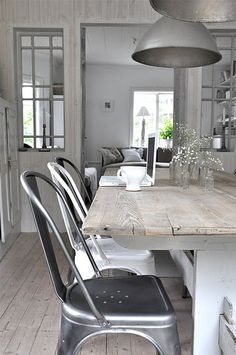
{"x": 71, "y": 336}
{"x": 166, "y": 340}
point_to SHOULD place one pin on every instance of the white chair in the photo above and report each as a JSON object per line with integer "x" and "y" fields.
{"x": 106, "y": 252}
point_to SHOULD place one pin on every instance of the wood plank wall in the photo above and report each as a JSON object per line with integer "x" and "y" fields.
{"x": 66, "y": 14}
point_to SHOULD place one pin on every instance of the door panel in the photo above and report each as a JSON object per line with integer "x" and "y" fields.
{"x": 4, "y": 180}
{"x": 14, "y": 192}
{"x": 13, "y": 171}
{"x": 11, "y": 134}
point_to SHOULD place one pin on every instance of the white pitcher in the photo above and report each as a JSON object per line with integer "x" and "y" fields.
{"x": 133, "y": 176}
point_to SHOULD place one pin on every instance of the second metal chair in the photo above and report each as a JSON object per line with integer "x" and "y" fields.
{"x": 106, "y": 252}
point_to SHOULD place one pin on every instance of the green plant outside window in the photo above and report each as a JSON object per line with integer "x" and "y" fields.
{"x": 166, "y": 131}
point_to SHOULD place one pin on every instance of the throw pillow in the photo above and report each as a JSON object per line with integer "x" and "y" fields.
{"x": 131, "y": 158}
{"x": 107, "y": 156}
{"x": 139, "y": 150}
{"x": 118, "y": 155}
{"x": 130, "y": 155}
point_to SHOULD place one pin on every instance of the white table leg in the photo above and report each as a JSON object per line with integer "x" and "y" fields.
{"x": 215, "y": 277}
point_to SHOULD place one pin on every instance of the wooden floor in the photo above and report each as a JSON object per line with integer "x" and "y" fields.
{"x": 29, "y": 309}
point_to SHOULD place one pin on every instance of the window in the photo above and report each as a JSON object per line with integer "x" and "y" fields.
{"x": 40, "y": 83}
{"x": 151, "y": 110}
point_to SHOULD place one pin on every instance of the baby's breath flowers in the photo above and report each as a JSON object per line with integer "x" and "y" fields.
{"x": 194, "y": 151}
{"x": 209, "y": 161}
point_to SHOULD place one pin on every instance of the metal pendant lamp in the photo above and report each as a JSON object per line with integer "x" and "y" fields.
{"x": 176, "y": 44}
{"x": 197, "y": 10}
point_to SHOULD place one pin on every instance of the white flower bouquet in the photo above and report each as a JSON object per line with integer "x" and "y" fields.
{"x": 193, "y": 153}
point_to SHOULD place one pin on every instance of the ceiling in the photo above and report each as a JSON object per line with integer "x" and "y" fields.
{"x": 112, "y": 44}
{"x": 115, "y": 44}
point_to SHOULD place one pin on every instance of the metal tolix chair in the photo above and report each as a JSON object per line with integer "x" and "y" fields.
{"x": 62, "y": 161}
{"x": 106, "y": 252}
{"x": 135, "y": 305}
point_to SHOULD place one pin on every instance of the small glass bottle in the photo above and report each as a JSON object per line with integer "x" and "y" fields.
{"x": 202, "y": 176}
{"x": 194, "y": 172}
{"x": 172, "y": 169}
{"x": 209, "y": 181}
{"x": 185, "y": 178}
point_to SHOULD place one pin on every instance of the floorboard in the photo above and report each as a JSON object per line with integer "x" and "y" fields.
{"x": 29, "y": 309}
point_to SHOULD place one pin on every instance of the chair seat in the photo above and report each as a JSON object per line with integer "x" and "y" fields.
{"x": 123, "y": 301}
{"x": 136, "y": 261}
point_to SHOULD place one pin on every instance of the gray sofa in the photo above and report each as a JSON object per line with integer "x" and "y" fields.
{"x": 114, "y": 157}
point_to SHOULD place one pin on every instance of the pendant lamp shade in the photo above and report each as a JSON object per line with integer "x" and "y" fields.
{"x": 176, "y": 44}
{"x": 197, "y": 10}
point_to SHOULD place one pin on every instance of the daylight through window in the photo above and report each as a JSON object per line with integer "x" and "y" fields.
{"x": 152, "y": 112}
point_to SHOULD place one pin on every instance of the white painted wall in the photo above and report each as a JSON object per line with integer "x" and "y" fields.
{"x": 114, "y": 82}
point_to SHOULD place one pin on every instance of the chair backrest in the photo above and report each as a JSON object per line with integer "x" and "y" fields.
{"x": 61, "y": 177}
{"x": 64, "y": 180}
{"x": 61, "y": 161}
{"x": 42, "y": 219}
{"x": 61, "y": 180}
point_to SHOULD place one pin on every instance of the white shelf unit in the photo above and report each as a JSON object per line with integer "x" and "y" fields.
{"x": 219, "y": 95}
{"x": 226, "y": 82}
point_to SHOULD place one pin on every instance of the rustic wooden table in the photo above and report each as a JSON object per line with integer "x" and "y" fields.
{"x": 166, "y": 217}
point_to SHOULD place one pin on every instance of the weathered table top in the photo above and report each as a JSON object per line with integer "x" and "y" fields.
{"x": 165, "y": 209}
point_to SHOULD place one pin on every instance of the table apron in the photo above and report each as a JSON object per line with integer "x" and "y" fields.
{"x": 209, "y": 242}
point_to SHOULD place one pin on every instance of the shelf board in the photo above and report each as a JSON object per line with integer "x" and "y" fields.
{"x": 226, "y": 102}
{"x": 227, "y": 120}
{"x": 227, "y": 81}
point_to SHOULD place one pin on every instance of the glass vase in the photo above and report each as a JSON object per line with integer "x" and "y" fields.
{"x": 194, "y": 172}
{"x": 184, "y": 177}
{"x": 171, "y": 170}
{"x": 209, "y": 181}
{"x": 202, "y": 176}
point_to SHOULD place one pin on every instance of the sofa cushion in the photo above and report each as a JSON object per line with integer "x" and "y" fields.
{"x": 140, "y": 150}
{"x": 113, "y": 150}
{"x": 132, "y": 158}
{"x": 131, "y": 154}
{"x": 117, "y": 153}
{"x": 107, "y": 156}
